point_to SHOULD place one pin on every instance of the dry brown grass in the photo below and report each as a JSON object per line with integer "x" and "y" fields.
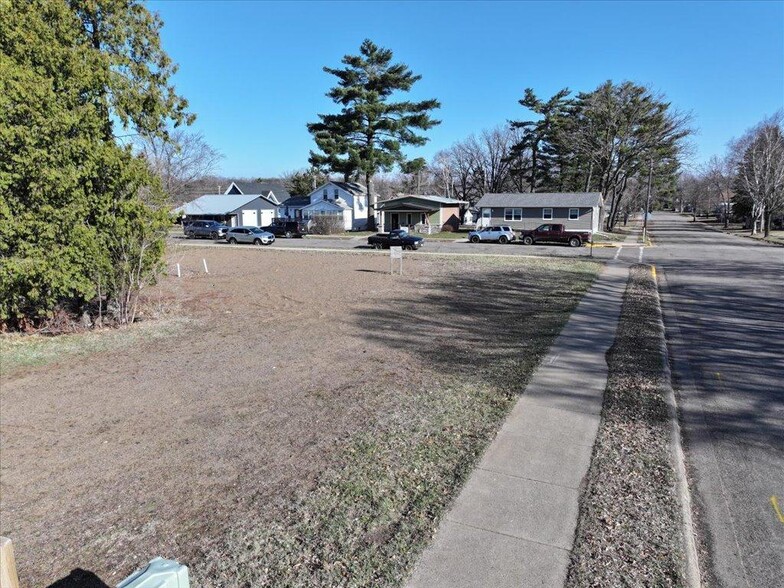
{"x": 306, "y": 426}
{"x": 629, "y": 529}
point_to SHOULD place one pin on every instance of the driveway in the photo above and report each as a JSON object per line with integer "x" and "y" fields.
{"x": 723, "y": 313}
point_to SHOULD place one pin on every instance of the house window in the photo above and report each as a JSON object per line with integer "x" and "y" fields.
{"x": 574, "y": 213}
{"x": 547, "y": 214}
{"x": 336, "y": 193}
{"x": 326, "y": 195}
{"x": 513, "y": 214}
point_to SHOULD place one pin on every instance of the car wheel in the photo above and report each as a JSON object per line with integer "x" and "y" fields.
{"x": 257, "y": 241}
{"x": 474, "y": 239}
{"x": 575, "y": 242}
{"x": 528, "y": 240}
{"x": 190, "y": 235}
{"x": 213, "y": 236}
{"x": 503, "y": 240}
{"x": 376, "y": 245}
{"x": 289, "y": 235}
{"x": 232, "y": 241}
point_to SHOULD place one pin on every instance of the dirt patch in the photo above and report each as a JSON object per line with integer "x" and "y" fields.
{"x": 299, "y": 379}
{"x": 629, "y": 528}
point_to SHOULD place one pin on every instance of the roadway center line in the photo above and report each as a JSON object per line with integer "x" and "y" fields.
{"x": 617, "y": 253}
{"x": 639, "y": 259}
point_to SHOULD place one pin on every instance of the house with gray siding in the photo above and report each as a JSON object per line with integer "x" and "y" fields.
{"x": 577, "y": 211}
{"x": 254, "y": 210}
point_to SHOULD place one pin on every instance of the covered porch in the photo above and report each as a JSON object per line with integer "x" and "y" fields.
{"x": 407, "y": 215}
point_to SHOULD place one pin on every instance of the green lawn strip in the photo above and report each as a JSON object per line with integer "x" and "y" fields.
{"x": 629, "y": 528}
{"x": 20, "y": 351}
{"x": 609, "y": 237}
{"x": 448, "y": 235}
{"x": 367, "y": 520}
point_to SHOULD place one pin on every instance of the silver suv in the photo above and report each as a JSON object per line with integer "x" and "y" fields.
{"x": 501, "y": 234}
{"x": 249, "y": 235}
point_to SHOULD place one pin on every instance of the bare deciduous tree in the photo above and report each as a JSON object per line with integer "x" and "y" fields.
{"x": 719, "y": 176}
{"x": 760, "y": 170}
{"x": 180, "y": 161}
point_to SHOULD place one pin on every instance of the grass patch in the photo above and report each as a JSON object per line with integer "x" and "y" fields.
{"x": 366, "y": 519}
{"x": 610, "y": 237}
{"x": 448, "y": 235}
{"x": 629, "y": 528}
{"x": 20, "y": 351}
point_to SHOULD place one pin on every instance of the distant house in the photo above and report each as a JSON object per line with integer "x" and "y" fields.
{"x": 574, "y": 210}
{"x": 274, "y": 191}
{"x": 232, "y": 209}
{"x": 346, "y": 200}
{"x": 291, "y": 208}
{"x": 414, "y": 210}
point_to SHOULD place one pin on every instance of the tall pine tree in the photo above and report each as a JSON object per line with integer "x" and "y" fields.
{"x": 370, "y": 131}
{"x": 538, "y": 137}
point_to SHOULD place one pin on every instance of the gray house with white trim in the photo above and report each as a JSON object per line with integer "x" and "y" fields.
{"x": 577, "y": 211}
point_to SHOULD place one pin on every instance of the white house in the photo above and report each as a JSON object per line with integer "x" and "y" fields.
{"x": 347, "y": 200}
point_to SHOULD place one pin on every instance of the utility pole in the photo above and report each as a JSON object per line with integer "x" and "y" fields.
{"x": 647, "y": 205}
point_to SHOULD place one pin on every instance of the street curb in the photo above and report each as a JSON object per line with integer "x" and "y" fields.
{"x": 693, "y": 578}
{"x": 385, "y": 252}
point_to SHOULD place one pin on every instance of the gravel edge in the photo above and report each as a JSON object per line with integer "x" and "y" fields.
{"x": 630, "y": 528}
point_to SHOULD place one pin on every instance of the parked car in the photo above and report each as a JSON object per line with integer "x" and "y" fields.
{"x": 502, "y": 235}
{"x": 285, "y": 228}
{"x": 555, "y": 234}
{"x": 212, "y": 229}
{"x": 396, "y": 238}
{"x": 249, "y": 235}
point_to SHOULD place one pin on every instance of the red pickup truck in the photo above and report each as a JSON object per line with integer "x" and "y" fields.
{"x": 555, "y": 234}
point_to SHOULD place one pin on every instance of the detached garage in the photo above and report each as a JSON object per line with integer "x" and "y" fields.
{"x": 253, "y": 210}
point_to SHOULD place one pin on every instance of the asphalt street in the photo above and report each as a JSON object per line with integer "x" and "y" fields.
{"x": 723, "y": 304}
{"x": 439, "y": 246}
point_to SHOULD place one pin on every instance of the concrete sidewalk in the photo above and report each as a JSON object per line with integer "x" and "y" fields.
{"x": 513, "y": 523}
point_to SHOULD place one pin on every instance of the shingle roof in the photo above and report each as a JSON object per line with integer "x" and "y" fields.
{"x": 539, "y": 199}
{"x": 296, "y": 201}
{"x": 428, "y": 197}
{"x": 277, "y": 188}
{"x": 218, "y": 203}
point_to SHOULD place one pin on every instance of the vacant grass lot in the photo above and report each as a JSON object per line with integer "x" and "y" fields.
{"x": 306, "y": 425}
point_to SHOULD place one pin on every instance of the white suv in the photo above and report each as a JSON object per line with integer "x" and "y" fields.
{"x": 501, "y": 234}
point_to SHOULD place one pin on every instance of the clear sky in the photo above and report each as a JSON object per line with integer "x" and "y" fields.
{"x": 252, "y": 71}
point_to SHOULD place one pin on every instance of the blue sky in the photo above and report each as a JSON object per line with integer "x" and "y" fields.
{"x": 252, "y": 71}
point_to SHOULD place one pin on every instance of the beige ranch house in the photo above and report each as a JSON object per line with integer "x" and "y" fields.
{"x": 419, "y": 213}
{"x": 577, "y": 211}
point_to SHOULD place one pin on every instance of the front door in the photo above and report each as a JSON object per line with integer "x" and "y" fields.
{"x": 394, "y": 221}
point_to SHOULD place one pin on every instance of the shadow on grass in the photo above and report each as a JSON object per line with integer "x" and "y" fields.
{"x": 490, "y": 322}
{"x": 80, "y": 578}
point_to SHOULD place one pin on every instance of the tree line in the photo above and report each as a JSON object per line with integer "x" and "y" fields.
{"x": 745, "y": 183}
{"x": 605, "y": 140}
